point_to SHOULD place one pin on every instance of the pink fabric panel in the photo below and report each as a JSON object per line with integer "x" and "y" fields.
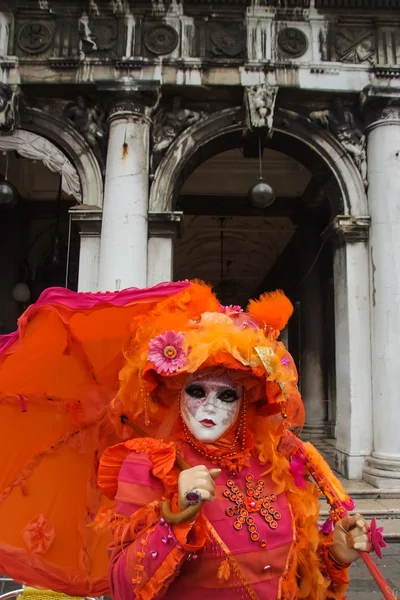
{"x": 121, "y": 586}
{"x": 136, "y": 469}
{"x": 266, "y": 590}
{"x": 86, "y": 301}
{"x": 157, "y": 545}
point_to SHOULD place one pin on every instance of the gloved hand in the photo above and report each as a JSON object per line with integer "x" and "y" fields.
{"x": 350, "y": 534}
{"x": 197, "y": 478}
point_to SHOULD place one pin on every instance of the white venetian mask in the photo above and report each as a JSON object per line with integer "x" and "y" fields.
{"x": 210, "y": 404}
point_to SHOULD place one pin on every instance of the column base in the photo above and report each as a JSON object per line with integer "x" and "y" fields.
{"x": 350, "y": 466}
{"x": 382, "y": 473}
{"x": 319, "y": 431}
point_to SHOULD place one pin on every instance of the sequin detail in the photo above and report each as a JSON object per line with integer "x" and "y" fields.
{"x": 254, "y": 501}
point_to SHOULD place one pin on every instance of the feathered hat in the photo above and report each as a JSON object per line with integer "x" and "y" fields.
{"x": 191, "y": 331}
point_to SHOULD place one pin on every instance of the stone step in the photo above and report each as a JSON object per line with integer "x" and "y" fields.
{"x": 363, "y": 490}
{"x": 384, "y": 508}
{"x": 355, "y": 488}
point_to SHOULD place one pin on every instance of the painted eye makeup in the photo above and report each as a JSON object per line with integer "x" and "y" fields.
{"x": 228, "y": 395}
{"x": 195, "y": 391}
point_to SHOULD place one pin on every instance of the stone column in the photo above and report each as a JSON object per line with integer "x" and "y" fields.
{"x": 5, "y": 29}
{"x": 123, "y": 247}
{"x": 352, "y": 344}
{"x": 88, "y": 219}
{"x": 383, "y": 154}
{"x": 312, "y": 341}
{"x": 164, "y": 228}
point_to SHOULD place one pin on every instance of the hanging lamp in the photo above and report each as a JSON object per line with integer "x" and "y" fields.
{"x": 261, "y": 194}
{"x": 8, "y": 193}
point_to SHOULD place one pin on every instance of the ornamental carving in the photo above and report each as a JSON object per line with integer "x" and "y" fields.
{"x": 9, "y": 107}
{"x": 169, "y": 125}
{"x": 89, "y": 120}
{"x": 227, "y": 40}
{"x": 340, "y": 121}
{"x": 260, "y": 104}
{"x": 161, "y": 39}
{"x": 34, "y": 38}
{"x": 355, "y": 45}
{"x": 380, "y": 104}
{"x": 292, "y": 42}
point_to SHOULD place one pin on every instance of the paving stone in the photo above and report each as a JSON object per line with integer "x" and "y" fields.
{"x": 362, "y": 585}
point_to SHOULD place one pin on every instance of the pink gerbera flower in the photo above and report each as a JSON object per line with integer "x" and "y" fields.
{"x": 166, "y": 352}
{"x": 376, "y": 537}
{"x": 232, "y": 308}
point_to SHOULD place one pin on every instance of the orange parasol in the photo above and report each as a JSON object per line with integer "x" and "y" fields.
{"x": 58, "y": 373}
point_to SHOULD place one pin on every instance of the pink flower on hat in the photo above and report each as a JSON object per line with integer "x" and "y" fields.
{"x": 232, "y": 308}
{"x": 166, "y": 352}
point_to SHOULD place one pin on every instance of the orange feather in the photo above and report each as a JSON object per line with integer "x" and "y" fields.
{"x": 273, "y": 308}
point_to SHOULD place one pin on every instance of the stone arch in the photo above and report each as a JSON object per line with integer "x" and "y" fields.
{"x": 222, "y": 130}
{"x": 73, "y": 146}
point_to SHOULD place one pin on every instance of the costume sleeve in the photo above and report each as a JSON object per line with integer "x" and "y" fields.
{"x": 147, "y": 553}
{"x": 336, "y": 573}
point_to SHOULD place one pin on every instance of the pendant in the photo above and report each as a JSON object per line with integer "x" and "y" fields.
{"x": 254, "y": 501}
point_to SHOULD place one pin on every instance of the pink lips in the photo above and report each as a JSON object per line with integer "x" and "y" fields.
{"x": 207, "y": 423}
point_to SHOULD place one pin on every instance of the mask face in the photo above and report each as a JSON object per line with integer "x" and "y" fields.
{"x": 210, "y": 405}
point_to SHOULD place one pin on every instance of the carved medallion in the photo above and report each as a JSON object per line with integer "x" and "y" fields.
{"x": 161, "y": 39}
{"x": 355, "y": 45}
{"x": 227, "y": 40}
{"x": 292, "y": 42}
{"x": 34, "y": 38}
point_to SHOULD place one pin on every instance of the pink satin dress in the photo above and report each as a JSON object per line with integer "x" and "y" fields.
{"x": 258, "y": 531}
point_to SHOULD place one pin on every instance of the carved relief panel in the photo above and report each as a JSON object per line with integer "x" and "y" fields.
{"x": 291, "y": 41}
{"x": 34, "y": 37}
{"x": 160, "y": 38}
{"x": 225, "y": 39}
{"x": 101, "y": 35}
{"x": 355, "y": 45}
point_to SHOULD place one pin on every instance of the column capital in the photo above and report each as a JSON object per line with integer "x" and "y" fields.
{"x": 381, "y": 106}
{"x": 166, "y": 224}
{"x": 88, "y": 219}
{"x": 349, "y": 229}
{"x": 132, "y": 98}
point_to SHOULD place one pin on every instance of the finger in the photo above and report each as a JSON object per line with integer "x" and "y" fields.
{"x": 353, "y": 538}
{"x": 205, "y": 484}
{"x": 348, "y": 523}
{"x": 205, "y": 477}
{"x": 363, "y": 546}
{"x": 199, "y": 468}
{"x": 357, "y": 533}
{"x": 362, "y": 523}
{"x": 206, "y": 495}
{"x": 361, "y": 538}
{"x": 214, "y": 473}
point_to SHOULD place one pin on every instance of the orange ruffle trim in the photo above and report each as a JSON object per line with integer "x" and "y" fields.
{"x": 162, "y": 456}
{"x": 156, "y": 586}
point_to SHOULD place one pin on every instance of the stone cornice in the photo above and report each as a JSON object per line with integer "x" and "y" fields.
{"x": 88, "y": 219}
{"x": 380, "y": 106}
{"x": 131, "y": 98}
{"x": 349, "y": 229}
{"x": 166, "y": 224}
